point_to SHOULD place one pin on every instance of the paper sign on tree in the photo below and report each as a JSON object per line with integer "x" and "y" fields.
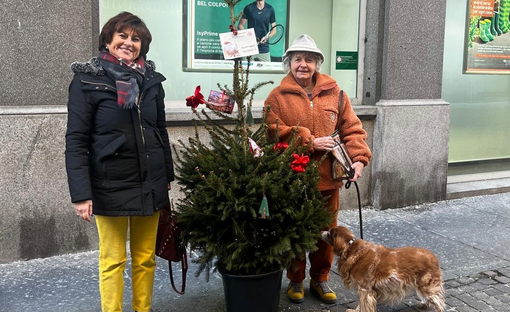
{"x": 240, "y": 45}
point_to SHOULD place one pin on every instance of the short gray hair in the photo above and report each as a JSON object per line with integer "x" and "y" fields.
{"x": 289, "y": 55}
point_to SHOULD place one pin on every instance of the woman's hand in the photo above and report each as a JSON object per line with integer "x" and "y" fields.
{"x": 323, "y": 143}
{"x": 358, "y": 170}
{"x": 84, "y": 209}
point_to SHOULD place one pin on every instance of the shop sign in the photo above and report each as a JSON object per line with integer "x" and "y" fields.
{"x": 204, "y": 21}
{"x": 346, "y": 60}
{"x": 487, "y": 48}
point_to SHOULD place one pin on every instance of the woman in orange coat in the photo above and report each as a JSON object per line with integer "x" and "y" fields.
{"x": 309, "y": 101}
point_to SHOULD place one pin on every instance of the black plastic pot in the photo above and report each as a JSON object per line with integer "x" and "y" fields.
{"x": 252, "y": 293}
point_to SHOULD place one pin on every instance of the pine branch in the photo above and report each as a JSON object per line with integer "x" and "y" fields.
{"x": 211, "y": 129}
{"x": 226, "y": 89}
{"x": 223, "y": 185}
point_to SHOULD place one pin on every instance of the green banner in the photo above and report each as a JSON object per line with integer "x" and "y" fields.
{"x": 346, "y": 60}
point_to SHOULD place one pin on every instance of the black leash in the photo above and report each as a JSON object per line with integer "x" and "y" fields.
{"x": 350, "y": 171}
{"x": 348, "y": 185}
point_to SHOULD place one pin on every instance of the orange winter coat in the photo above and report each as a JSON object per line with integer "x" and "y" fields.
{"x": 292, "y": 108}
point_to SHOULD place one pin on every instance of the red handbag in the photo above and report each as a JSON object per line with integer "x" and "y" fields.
{"x": 169, "y": 245}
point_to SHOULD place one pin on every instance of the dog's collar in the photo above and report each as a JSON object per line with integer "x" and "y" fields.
{"x": 352, "y": 241}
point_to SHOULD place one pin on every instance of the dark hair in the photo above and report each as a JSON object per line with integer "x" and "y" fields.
{"x": 126, "y": 21}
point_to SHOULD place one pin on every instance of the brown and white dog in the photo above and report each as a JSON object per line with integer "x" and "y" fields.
{"x": 385, "y": 275}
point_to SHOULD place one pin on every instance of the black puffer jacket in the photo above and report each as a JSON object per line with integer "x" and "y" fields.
{"x": 120, "y": 158}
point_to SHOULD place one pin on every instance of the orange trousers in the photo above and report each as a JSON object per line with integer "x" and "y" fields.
{"x": 321, "y": 260}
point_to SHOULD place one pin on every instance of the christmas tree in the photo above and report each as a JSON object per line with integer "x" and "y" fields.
{"x": 250, "y": 204}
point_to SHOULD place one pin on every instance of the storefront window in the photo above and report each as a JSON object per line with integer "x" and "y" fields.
{"x": 333, "y": 24}
{"x": 480, "y": 103}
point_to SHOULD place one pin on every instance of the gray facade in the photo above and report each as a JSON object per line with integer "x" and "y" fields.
{"x": 403, "y": 79}
{"x": 401, "y": 110}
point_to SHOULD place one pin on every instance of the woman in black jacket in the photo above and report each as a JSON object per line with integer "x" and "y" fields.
{"x": 118, "y": 157}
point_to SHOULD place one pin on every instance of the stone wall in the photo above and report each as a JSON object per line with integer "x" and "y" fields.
{"x": 403, "y": 78}
{"x": 39, "y": 41}
{"x": 405, "y": 118}
{"x": 38, "y": 219}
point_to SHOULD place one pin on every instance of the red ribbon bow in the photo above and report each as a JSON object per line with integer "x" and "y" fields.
{"x": 195, "y": 99}
{"x": 233, "y": 29}
{"x": 280, "y": 146}
{"x": 299, "y": 163}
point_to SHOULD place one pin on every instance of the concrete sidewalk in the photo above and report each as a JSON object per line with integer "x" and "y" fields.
{"x": 470, "y": 236}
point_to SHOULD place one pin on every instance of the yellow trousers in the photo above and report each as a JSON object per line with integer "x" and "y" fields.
{"x": 112, "y": 260}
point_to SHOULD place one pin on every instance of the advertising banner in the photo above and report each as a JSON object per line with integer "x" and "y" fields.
{"x": 205, "y": 20}
{"x": 488, "y": 37}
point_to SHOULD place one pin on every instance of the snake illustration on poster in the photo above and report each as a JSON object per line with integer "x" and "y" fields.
{"x": 204, "y": 20}
{"x": 488, "y": 37}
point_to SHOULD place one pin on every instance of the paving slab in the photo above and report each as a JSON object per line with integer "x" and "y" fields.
{"x": 468, "y": 235}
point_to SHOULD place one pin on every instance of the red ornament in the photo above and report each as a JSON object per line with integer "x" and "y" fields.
{"x": 195, "y": 99}
{"x": 299, "y": 163}
{"x": 281, "y": 146}
{"x": 255, "y": 149}
{"x": 233, "y": 29}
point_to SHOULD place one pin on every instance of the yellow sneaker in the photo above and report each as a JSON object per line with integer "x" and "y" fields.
{"x": 322, "y": 290}
{"x": 296, "y": 293}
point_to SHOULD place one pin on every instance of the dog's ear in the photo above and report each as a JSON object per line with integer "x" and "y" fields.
{"x": 326, "y": 237}
{"x": 339, "y": 245}
{"x": 339, "y": 240}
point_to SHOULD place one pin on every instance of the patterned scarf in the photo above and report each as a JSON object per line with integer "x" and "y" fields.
{"x": 128, "y": 77}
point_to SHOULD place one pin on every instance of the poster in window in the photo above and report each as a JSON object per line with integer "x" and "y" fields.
{"x": 205, "y": 20}
{"x": 488, "y": 37}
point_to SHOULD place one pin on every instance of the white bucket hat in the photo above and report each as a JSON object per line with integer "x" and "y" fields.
{"x": 304, "y": 43}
